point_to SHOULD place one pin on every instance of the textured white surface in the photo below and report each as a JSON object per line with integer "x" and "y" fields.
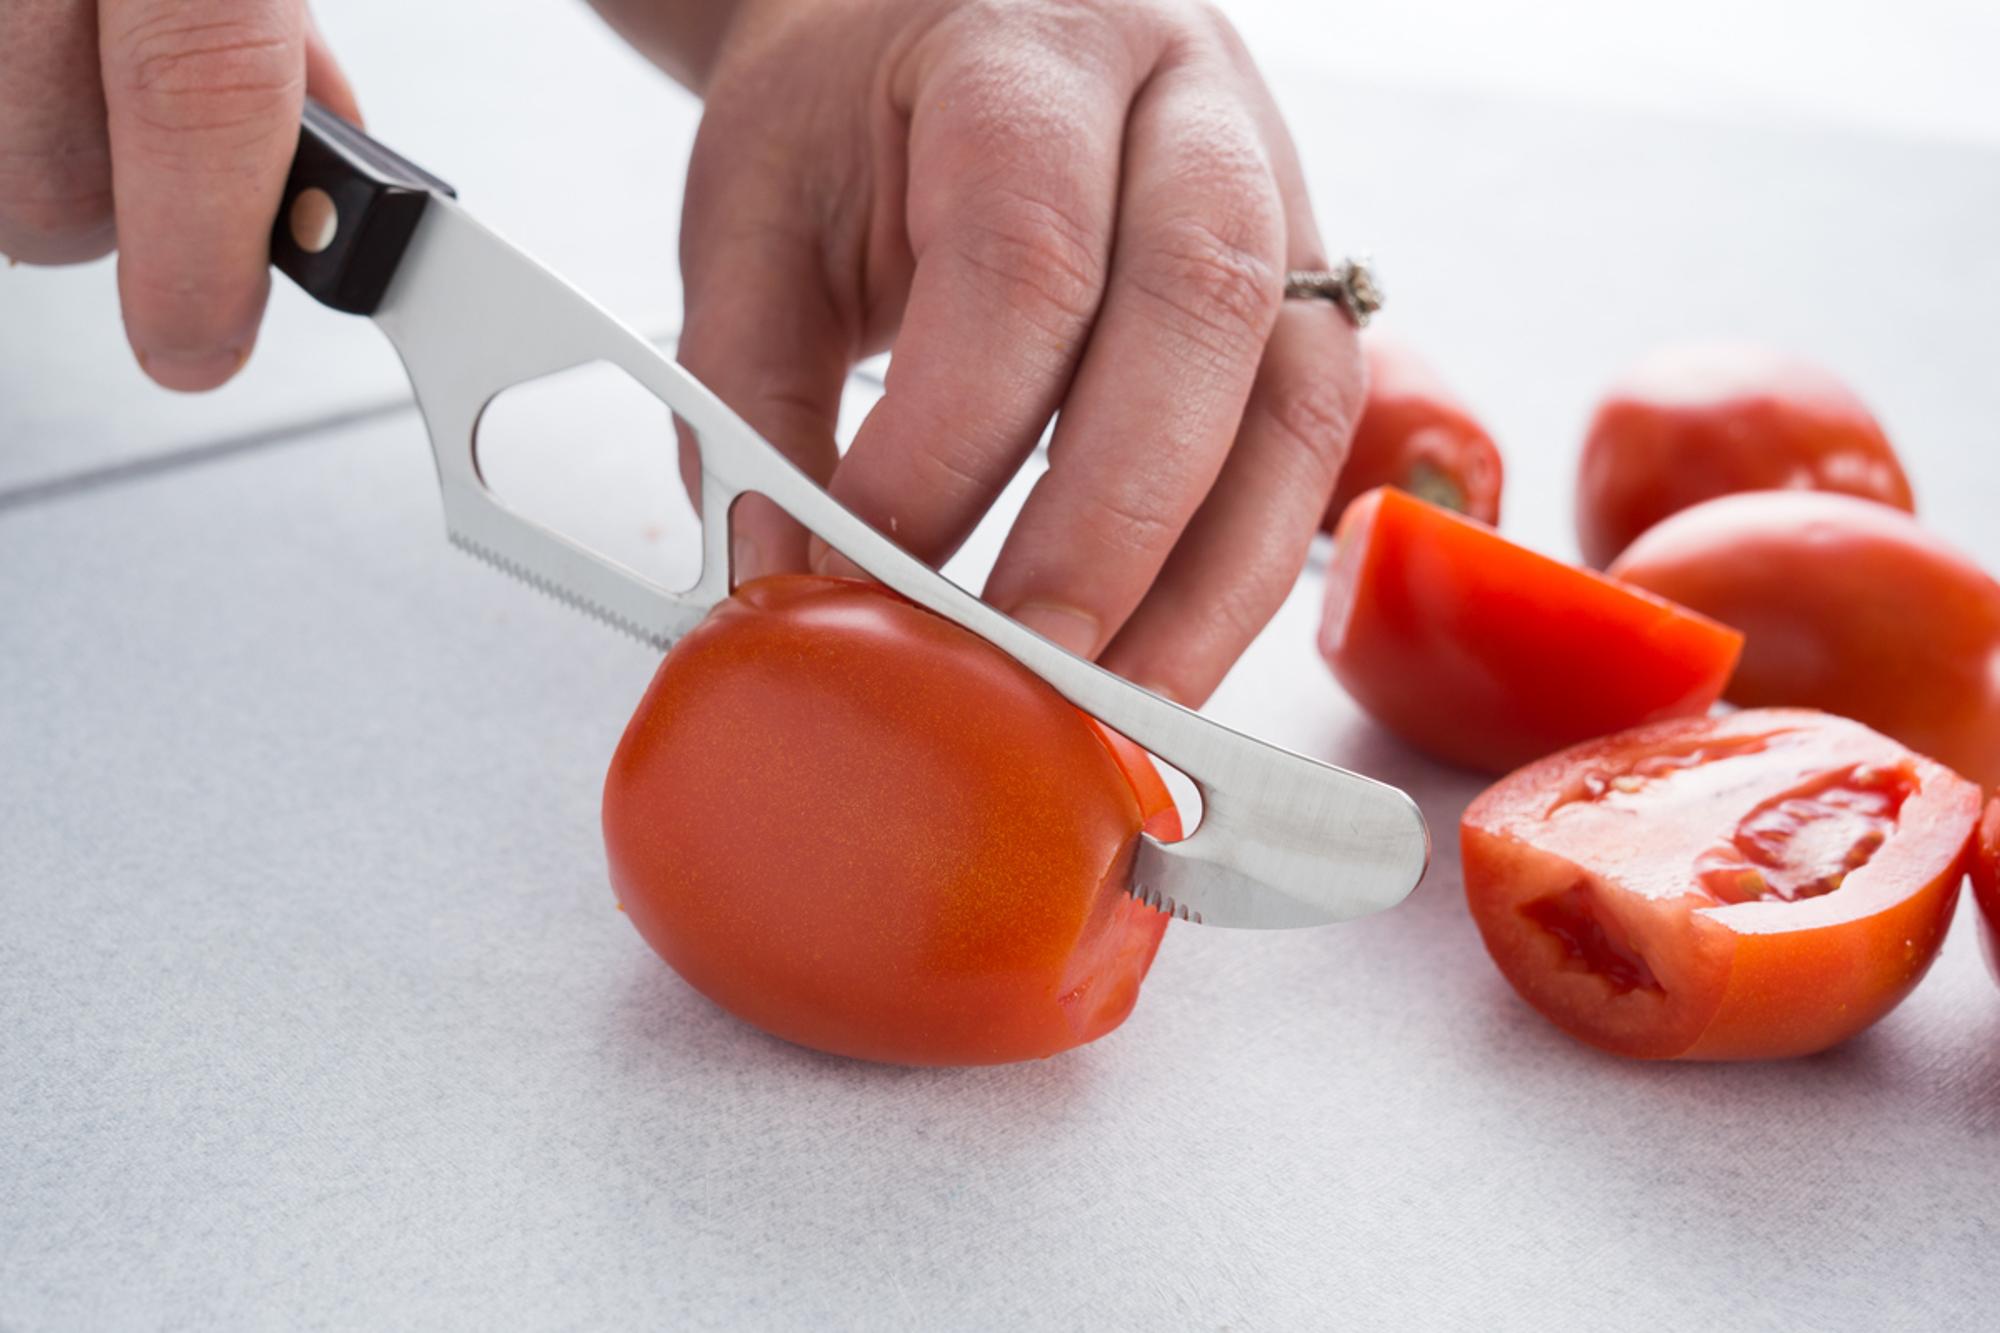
{"x": 314, "y": 1009}
{"x": 318, "y": 1010}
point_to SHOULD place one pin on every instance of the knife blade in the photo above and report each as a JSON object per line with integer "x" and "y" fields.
{"x": 1283, "y": 840}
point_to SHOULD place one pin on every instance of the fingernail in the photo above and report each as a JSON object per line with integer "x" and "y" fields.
{"x": 1166, "y": 691}
{"x": 191, "y": 372}
{"x": 1064, "y": 626}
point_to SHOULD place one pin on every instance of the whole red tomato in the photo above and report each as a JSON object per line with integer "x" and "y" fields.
{"x": 1416, "y": 436}
{"x": 1691, "y": 423}
{"x": 1844, "y": 605}
{"x": 866, "y": 830}
{"x": 1752, "y": 886}
{"x": 1986, "y": 881}
{"x": 1486, "y": 654}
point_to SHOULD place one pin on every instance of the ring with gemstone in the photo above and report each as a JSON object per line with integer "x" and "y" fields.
{"x": 1349, "y": 284}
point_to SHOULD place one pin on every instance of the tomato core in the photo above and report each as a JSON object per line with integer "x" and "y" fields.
{"x": 1427, "y": 481}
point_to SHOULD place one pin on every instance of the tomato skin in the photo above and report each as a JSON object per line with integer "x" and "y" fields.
{"x": 1844, "y": 605}
{"x": 1415, "y": 435}
{"x": 1691, "y": 423}
{"x": 1601, "y": 845}
{"x": 1485, "y": 654}
{"x": 863, "y": 829}
{"x": 1986, "y": 881}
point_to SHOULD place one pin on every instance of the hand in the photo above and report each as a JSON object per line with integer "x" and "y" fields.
{"x": 1086, "y": 207}
{"x": 165, "y": 127}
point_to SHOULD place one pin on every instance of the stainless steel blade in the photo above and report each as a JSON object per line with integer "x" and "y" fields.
{"x": 1283, "y": 840}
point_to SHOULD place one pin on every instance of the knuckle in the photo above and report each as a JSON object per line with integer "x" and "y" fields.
{"x": 955, "y": 465}
{"x": 1316, "y": 416}
{"x": 1212, "y": 285}
{"x": 1041, "y": 260}
{"x": 1259, "y": 591}
{"x": 1134, "y": 520}
{"x": 185, "y": 74}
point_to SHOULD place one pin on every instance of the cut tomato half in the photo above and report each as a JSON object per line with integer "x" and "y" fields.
{"x": 1485, "y": 654}
{"x": 1753, "y": 886}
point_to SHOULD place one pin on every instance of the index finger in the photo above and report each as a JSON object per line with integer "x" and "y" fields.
{"x": 1013, "y": 175}
{"x": 203, "y": 104}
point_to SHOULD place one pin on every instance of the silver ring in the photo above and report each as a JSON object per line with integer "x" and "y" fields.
{"x": 1349, "y": 284}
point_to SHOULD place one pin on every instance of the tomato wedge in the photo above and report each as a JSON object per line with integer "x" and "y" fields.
{"x": 1485, "y": 654}
{"x": 1986, "y": 881}
{"x": 1753, "y": 886}
{"x": 866, "y": 830}
{"x": 1414, "y": 434}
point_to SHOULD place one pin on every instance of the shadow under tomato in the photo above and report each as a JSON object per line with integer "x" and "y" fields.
{"x": 664, "y": 1027}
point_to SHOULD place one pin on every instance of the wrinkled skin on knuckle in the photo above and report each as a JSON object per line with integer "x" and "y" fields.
{"x": 1040, "y": 262}
{"x": 236, "y": 77}
{"x": 1316, "y": 416}
{"x": 1261, "y": 588}
{"x": 1011, "y": 198}
{"x": 1133, "y": 519}
{"x": 1209, "y": 234}
{"x": 1215, "y": 290}
{"x": 955, "y": 463}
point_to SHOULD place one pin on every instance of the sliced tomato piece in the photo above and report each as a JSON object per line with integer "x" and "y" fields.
{"x": 1986, "y": 881}
{"x": 1485, "y": 654}
{"x": 1414, "y": 434}
{"x": 1758, "y": 885}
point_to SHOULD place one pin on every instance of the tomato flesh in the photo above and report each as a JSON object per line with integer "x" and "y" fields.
{"x": 1415, "y": 435}
{"x": 1691, "y": 423}
{"x": 1844, "y": 605}
{"x": 1485, "y": 654}
{"x": 865, "y": 830}
{"x": 1805, "y": 842}
{"x": 1753, "y": 886}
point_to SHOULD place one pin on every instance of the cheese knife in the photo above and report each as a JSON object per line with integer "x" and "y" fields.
{"x": 1282, "y": 840}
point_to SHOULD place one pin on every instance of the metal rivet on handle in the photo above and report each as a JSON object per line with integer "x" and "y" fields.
{"x": 314, "y": 220}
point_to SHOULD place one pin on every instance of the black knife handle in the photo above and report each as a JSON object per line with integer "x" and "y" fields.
{"x": 348, "y": 211}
